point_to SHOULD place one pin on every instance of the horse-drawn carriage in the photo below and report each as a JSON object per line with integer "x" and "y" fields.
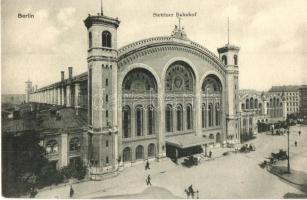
{"x": 247, "y": 148}
{"x": 191, "y": 160}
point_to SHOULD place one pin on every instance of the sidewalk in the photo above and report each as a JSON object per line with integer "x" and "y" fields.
{"x": 130, "y": 181}
{"x": 298, "y": 178}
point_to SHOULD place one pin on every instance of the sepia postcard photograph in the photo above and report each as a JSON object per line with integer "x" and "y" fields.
{"x": 154, "y": 99}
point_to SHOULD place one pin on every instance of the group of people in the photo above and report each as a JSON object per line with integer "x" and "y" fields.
{"x": 148, "y": 179}
{"x": 295, "y": 142}
{"x": 190, "y": 192}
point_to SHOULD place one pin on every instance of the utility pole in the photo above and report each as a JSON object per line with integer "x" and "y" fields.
{"x": 289, "y": 150}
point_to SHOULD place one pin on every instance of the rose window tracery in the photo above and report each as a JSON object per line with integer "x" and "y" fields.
{"x": 139, "y": 80}
{"x": 179, "y": 78}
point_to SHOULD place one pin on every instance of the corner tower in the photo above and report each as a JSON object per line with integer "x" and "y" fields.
{"x": 102, "y": 91}
{"x": 229, "y": 54}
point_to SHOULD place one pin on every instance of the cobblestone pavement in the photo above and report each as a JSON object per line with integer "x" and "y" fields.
{"x": 236, "y": 175}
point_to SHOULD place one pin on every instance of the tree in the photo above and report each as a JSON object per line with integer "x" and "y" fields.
{"x": 22, "y": 161}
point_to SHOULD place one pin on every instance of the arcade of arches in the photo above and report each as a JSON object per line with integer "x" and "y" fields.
{"x": 141, "y": 113}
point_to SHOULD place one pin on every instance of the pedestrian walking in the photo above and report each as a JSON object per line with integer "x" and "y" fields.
{"x": 191, "y": 191}
{"x": 295, "y": 143}
{"x": 148, "y": 181}
{"x": 299, "y": 133}
{"x": 71, "y": 192}
{"x": 210, "y": 154}
{"x": 147, "y": 165}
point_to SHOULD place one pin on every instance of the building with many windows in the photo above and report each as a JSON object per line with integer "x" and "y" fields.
{"x": 303, "y": 102}
{"x": 260, "y": 107}
{"x": 291, "y": 93}
{"x": 157, "y": 97}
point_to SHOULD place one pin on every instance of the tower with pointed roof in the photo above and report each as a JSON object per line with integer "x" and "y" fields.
{"x": 229, "y": 54}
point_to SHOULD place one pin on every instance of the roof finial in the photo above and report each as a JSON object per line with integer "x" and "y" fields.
{"x": 228, "y": 30}
{"x": 101, "y": 7}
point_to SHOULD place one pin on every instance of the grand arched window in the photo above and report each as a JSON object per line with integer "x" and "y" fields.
{"x": 211, "y": 92}
{"x": 217, "y": 115}
{"x": 106, "y": 39}
{"x": 203, "y": 116}
{"x": 74, "y": 144}
{"x": 151, "y": 150}
{"x": 90, "y": 40}
{"x": 235, "y": 59}
{"x": 52, "y": 147}
{"x": 210, "y": 115}
{"x": 256, "y": 103}
{"x": 179, "y": 117}
{"x": 179, "y": 78}
{"x": 247, "y": 103}
{"x": 224, "y": 59}
{"x": 139, "y": 81}
{"x": 127, "y": 154}
{"x": 139, "y": 152}
{"x": 189, "y": 117}
{"x": 169, "y": 118}
{"x": 151, "y": 120}
{"x": 251, "y": 103}
{"x": 139, "y": 120}
{"x": 126, "y": 122}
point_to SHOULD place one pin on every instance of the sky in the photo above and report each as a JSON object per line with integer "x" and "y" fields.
{"x": 272, "y": 36}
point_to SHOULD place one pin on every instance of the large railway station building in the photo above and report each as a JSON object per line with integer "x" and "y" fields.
{"x": 157, "y": 97}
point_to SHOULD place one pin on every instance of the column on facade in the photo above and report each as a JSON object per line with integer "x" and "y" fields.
{"x": 77, "y": 96}
{"x": 58, "y": 96}
{"x": 46, "y": 96}
{"x": 114, "y": 101}
{"x": 55, "y": 94}
{"x": 145, "y": 120}
{"x": 133, "y": 135}
{"x": 198, "y": 108}
{"x": 284, "y": 109}
{"x": 68, "y": 96}
{"x": 64, "y": 149}
{"x": 62, "y": 96}
{"x": 49, "y": 96}
{"x": 265, "y": 108}
{"x": 161, "y": 122}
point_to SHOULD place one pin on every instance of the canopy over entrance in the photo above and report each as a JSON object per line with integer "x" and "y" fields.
{"x": 186, "y": 141}
{"x": 184, "y": 145}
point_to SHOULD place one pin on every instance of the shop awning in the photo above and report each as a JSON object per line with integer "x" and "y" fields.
{"x": 186, "y": 141}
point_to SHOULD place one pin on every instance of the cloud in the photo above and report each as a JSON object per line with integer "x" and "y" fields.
{"x": 65, "y": 18}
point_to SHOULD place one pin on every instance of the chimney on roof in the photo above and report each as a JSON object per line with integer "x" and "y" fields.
{"x": 70, "y": 72}
{"x": 62, "y": 75}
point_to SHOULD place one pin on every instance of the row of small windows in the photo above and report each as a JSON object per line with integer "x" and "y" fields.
{"x": 52, "y": 146}
{"x": 292, "y": 109}
{"x": 179, "y": 117}
{"x": 139, "y": 152}
{"x": 292, "y": 104}
{"x": 106, "y": 39}
{"x": 235, "y": 59}
{"x": 139, "y": 121}
{"x": 208, "y": 119}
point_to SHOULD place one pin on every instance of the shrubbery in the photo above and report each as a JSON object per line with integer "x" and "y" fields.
{"x": 25, "y": 166}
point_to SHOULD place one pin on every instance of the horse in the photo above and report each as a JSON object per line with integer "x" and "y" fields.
{"x": 187, "y": 192}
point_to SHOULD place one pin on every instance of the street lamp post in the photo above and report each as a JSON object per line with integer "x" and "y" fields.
{"x": 288, "y": 151}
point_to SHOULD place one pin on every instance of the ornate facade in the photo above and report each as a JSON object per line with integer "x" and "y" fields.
{"x": 257, "y": 107}
{"x": 152, "y": 94}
